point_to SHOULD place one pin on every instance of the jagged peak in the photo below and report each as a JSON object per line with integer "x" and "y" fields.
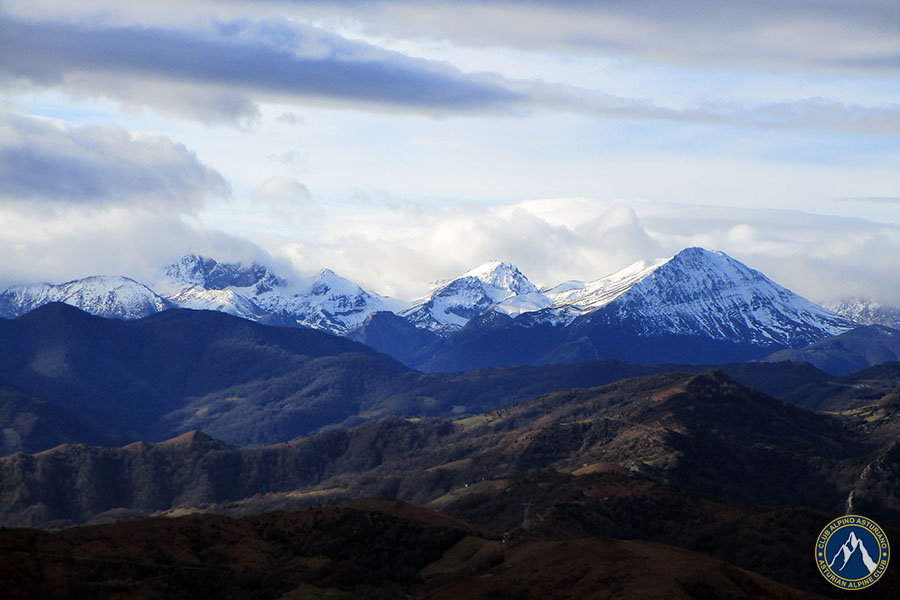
{"x": 327, "y": 276}
{"x": 501, "y": 274}
{"x": 329, "y": 283}
{"x": 490, "y": 267}
{"x": 195, "y": 269}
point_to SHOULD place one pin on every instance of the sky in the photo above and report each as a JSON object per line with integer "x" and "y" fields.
{"x": 404, "y": 142}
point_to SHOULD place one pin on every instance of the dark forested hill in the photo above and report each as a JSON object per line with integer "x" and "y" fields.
{"x": 124, "y": 377}
{"x": 848, "y": 352}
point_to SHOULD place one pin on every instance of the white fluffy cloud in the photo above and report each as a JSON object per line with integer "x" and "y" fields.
{"x": 400, "y": 249}
{"x": 106, "y": 241}
{"x": 283, "y": 191}
{"x": 823, "y": 258}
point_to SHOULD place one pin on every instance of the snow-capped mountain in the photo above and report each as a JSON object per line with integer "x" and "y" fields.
{"x": 867, "y": 312}
{"x": 700, "y": 292}
{"x": 104, "y": 296}
{"x": 494, "y": 285}
{"x": 492, "y": 314}
{"x": 695, "y": 292}
{"x": 695, "y": 307}
{"x": 326, "y": 301}
{"x": 228, "y": 301}
{"x": 208, "y": 273}
{"x": 573, "y": 298}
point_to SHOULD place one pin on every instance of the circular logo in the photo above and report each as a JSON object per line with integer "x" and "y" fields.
{"x": 852, "y": 552}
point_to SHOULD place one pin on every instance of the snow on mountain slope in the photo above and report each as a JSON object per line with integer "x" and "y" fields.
{"x": 207, "y": 273}
{"x": 695, "y": 292}
{"x": 228, "y": 301}
{"x": 867, "y": 312}
{"x": 104, "y": 296}
{"x": 498, "y": 285}
{"x": 589, "y": 296}
{"x": 699, "y": 292}
{"x": 327, "y": 301}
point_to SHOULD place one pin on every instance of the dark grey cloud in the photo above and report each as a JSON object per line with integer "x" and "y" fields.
{"x": 222, "y": 71}
{"x": 47, "y": 162}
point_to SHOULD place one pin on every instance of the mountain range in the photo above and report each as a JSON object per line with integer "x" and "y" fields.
{"x": 693, "y": 460}
{"x": 867, "y": 312}
{"x": 141, "y": 423}
{"x": 695, "y": 307}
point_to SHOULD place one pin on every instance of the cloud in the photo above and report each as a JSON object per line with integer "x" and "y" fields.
{"x": 293, "y": 159}
{"x": 875, "y": 199}
{"x": 283, "y": 192}
{"x": 49, "y": 162}
{"x": 220, "y": 73}
{"x": 79, "y": 201}
{"x": 111, "y": 240}
{"x": 820, "y": 35}
{"x": 397, "y": 251}
{"x": 822, "y": 257}
{"x": 828, "y": 36}
{"x": 810, "y": 114}
{"x": 291, "y": 119}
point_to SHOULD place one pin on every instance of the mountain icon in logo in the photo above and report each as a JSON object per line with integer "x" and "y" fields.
{"x": 854, "y": 547}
